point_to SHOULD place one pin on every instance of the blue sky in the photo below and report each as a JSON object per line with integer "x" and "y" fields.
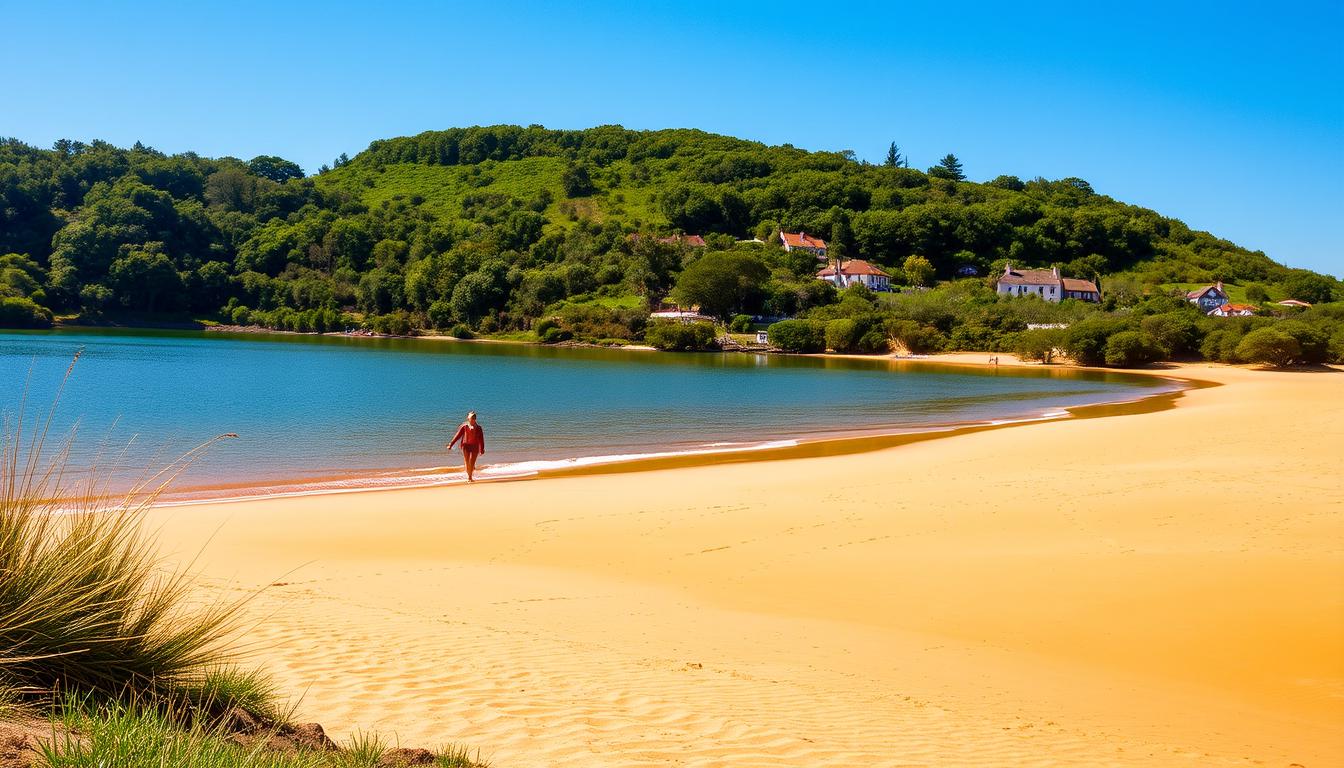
{"x": 1229, "y": 117}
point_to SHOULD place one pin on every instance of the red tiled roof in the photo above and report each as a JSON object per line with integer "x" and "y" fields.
{"x": 1083, "y": 286}
{"x": 1204, "y": 290}
{"x": 853, "y": 267}
{"x": 1029, "y": 277}
{"x": 1237, "y": 308}
{"x": 801, "y": 240}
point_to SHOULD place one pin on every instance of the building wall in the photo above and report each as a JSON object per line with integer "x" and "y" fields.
{"x": 1047, "y": 292}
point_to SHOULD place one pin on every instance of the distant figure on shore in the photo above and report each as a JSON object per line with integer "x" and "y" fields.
{"x": 473, "y": 444}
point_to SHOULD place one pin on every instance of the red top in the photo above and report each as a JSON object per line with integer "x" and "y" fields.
{"x": 471, "y": 435}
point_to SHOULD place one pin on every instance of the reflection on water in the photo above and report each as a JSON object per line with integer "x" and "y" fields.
{"x": 333, "y": 406}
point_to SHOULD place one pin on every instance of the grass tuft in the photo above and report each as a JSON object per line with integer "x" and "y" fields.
{"x": 85, "y": 605}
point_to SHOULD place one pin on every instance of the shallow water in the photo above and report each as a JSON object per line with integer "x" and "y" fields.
{"x": 332, "y": 412}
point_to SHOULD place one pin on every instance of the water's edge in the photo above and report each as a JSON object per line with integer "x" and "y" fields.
{"x": 775, "y": 450}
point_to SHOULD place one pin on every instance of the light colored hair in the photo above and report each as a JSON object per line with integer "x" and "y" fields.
{"x": 470, "y": 414}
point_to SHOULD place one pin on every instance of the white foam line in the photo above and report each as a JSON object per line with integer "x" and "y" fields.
{"x": 515, "y": 470}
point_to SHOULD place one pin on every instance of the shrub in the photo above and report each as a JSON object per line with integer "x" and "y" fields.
{"x": 543, "y": 325}
{"x": 461, "y": 331}
{"x": 17, "y": 312}
{"x": 1313, "y": 342}
{"x": 1129, "y": 349}
{"x": 1177, "y": 332}
{"x": 1270, "y": 346}
{"x": 680, "y": 337}
{"x": 440, "y": 314}
{"x": 842, "y": 335}
{"x": 740, "y": 324}
{"x": 1041, "y": 344}
{"x": 393, "y": 324}
{"x": 917, "y": 338}
{"x": 1220, "y": 345}
{"x": 798, "y": 335}
{"x": 554, "y": 335}
{"x": 1086, "y": 340}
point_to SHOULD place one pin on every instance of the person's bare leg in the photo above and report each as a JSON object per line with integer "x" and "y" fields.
{"x": 470, "y": 458}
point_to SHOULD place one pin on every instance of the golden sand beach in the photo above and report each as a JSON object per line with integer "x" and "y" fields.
{"x": 1163, "y": 588}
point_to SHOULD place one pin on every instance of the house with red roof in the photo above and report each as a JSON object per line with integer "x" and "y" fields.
{"x": 803, "y": 241}
{"x": 1046, "y": 284}
{"x": 856, "y": 271}
{"x": 1234, "y": 310}
{"x": 1208, "y": 298}
{"x": 1298, "y": 303}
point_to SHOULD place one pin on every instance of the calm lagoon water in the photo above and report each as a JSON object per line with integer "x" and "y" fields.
{"x": 330, "y": 412}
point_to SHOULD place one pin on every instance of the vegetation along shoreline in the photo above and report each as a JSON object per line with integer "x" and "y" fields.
{"x": 677, "y": 239}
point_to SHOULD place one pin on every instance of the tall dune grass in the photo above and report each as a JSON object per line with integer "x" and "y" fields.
{"x": 86, "y": 606}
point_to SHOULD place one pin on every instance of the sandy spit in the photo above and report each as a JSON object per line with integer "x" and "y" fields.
{"x": 1156, "y": 589}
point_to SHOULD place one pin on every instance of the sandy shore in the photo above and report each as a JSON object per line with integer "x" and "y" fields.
{"x": 1156, "y": 589}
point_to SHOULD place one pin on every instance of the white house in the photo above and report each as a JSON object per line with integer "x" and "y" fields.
{"x": 1209, "y": 298}
{"x": 805, "y": 242}
{"x": 1045, "y": 283}
{"x": 856, "y": 271}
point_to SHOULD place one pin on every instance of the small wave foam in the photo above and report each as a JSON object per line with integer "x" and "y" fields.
{"x": 428, "y": 477}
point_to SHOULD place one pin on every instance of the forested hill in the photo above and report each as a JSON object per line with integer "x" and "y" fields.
{"x": 495, "y": 227}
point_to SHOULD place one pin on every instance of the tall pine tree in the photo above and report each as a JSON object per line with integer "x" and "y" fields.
{"x": 948, "y": 168}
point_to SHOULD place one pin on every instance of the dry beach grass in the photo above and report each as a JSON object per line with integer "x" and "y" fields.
{"x": 1155, "y": 589}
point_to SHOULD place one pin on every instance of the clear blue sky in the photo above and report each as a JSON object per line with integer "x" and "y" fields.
{"x": 1230, "y": 117}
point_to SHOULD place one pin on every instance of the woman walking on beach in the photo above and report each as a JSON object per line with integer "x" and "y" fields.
{"x": 473, "y": 444}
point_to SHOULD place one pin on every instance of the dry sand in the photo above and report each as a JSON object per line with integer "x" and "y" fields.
{"x": 1156, "y": 589}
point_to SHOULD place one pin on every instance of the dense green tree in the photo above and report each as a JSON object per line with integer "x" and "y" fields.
{"x": 1269, "y": 346}
{"x": 145, "y": 280}
{"x": 576, "y": 181}
{"x": 894, "y": 157}
{"x": 1130, "y": 349}
{"x": 1040, "y": 345}
{"x": 918, "y": 270}
{"x": 722, "y": 283}
{"x": 276, "y": 169}
{"x": 1310, "y": 287}
{"x": 948, "y": 168}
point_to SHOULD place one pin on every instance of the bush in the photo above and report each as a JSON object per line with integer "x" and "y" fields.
{"x": 842, "y": 335}
{"x": 1130, "y": 349}
{"x": 798, "y": 335}
{"x": 1041, "y": 344}
{"x": 554, "y": 335}
{"x": 918, "y": 339}
{"x": 1086, "y": 340}
{"x": 680, "y": 337}
{"x": 543, "y": 325}
{"x": 740, "y": 324}
{"x": 1177, "y": 332}
{"x": 461, "y": 331}
{"x": 440, "y": 314}
{"x": 16, "y": 312}
{"x": 1221, "y": 345}
{"x": 392, "y": 324}
{"x": 1313, "y": 342}
{"x": 1270, "y": 346}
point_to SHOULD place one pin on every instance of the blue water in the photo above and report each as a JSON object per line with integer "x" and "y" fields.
{"x": 324, "y": 409}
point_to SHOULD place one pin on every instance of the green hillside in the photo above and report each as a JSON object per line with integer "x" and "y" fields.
{"x": 490, "y": 229}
